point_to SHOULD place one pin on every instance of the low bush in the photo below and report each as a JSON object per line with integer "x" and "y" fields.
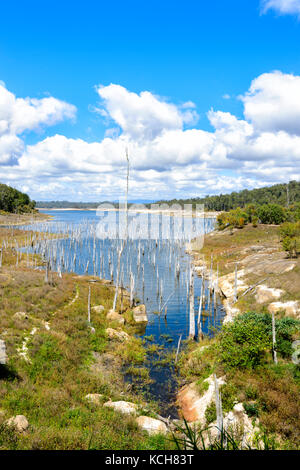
{"x": 246, "y": 341}
{"x": 272, "y": 214}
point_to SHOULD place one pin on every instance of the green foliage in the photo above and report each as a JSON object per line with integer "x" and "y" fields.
{"x": 229, "y": 396}
{"x": 290, "y": 237}
{"x": 8, "y": 437}
{"x": 235, "y": 218}
{"x": 251, "y": 392}
{"x": 252, "y": 409}
{"x": 46, "y": 357}
{"x": 12, "y": 200}
{"x": 276, "y": 194}
{"x": 202, "y": 386}
{"x": 245, "y": 342}
{"x": 211, "y": 413}
{"x": 272, "y": 214}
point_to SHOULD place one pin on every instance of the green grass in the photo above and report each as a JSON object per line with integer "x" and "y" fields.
{"x": 66, "y": 363}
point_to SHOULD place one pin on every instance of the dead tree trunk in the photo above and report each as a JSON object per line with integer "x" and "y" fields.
{"x": 192, "y": 306}
{"x": 218, "y": 407}
{"x": 274, "y": 339}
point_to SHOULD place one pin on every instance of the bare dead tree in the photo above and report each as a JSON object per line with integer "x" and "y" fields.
{"x": 218, "y": 407}
{"x": 126, "y": 235}
{"x": 274, "y": 339}
{"x": 192, "y": 306}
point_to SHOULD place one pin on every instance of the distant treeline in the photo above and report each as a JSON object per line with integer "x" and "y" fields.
{"x": 12, "y": 200}
{"x": 67, "y": 204}
{"x": 282, "y": 194}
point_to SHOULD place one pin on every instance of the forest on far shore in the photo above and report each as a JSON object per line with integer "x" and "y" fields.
{"x": 282, "y": 194}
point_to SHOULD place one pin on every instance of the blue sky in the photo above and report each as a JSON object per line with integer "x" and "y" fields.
{"x": 207, "y": 53}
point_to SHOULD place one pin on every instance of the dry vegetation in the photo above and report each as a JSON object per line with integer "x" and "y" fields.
{"x": 62, "y": 362}
{"x": 268, "y": 391}
{"x": 7, "y": 218}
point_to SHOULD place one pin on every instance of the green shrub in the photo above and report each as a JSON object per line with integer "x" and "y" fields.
{"x": 290, "y": 237}
{"x": 235, "y": 218}
{"x": 272, "y": 214}
{"x": 211, "y": 413}
{"x": 252, "y": 409}
{"x": 245, "y": 341}
{"x": 251, "y": 392}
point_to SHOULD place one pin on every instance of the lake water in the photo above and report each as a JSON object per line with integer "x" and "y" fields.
{"x": 160, "y": 268}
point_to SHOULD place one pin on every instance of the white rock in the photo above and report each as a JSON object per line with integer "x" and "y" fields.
{"x": 19, "y": 422}
{"x": 118, "y": 335}
{"x": 115, "y": 316}
{"x": 151, "y": 425}
{"x": 98, "y": 308}
{"x": 94, "y": 398}
{"x": 124, "y": 407}
{"x": 21, "y": 316}
{"x": 192, "y": 405}
{"x": 139, "y": 314}
{"x": 3, "y": 355}
{"x": 238, "y": 423}
{"x": 290, "y": 308}
{"x": 267, "y": 294}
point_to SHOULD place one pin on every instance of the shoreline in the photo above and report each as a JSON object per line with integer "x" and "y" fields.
{"x": 170, "y": 213}
{"x": 10, "y": 220}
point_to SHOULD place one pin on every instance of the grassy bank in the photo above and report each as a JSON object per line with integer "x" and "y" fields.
{"x": 55, "y": 360}
{"x": 242, "y": 352}
{"x": 8, "y": 218}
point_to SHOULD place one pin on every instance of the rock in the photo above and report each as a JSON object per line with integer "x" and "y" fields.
{"x": 151, "y": 425}
{"x": 124, "y": 407}
{"x": 231, "y": 312}
{"x": 94, "y": 398}
{"x": 3, "y": 355}
{"x": 192, "y": 405}
{"x": 98, "y": 308}
{"x": 21, "y": 316}
{"x": 118, "y": 335}
{"x": 115, "y": 316}
{"x": 267, "y": 294}
{"x": 19, "y": 422}
{"x": 226, "y": 284}
{"x": 290, "y": 308}
{"x": 139, "y": 314}
{"x": 237, "y": 423}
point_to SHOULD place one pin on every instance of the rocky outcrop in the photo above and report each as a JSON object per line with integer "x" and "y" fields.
{"x": 290, "y": 308}
{"x": 266, "y": 294}
{"x": 19, "y": 422}
{"x": 151, "y": 425}
{"x": 115, "y": 316}
{"x": 193, "y": 406}
{"x": 118, "y": 335}
{"x": 226, "y": 284}
{"x": 238, "y": 424}
{"x": 124, "y": 407}
{"x": 139, "y": 314}
{"x": 95, "y": 398}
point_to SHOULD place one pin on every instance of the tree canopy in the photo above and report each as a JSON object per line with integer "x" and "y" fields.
{"x": 12, "y": 200}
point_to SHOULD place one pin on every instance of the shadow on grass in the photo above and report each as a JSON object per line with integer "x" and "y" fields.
{"x": 8, "y": 373}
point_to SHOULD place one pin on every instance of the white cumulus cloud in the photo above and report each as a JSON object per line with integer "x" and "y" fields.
{"x": 273, "y": 102}
{"x": 283, "y": 7}
{"x": 169, "y": 156}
